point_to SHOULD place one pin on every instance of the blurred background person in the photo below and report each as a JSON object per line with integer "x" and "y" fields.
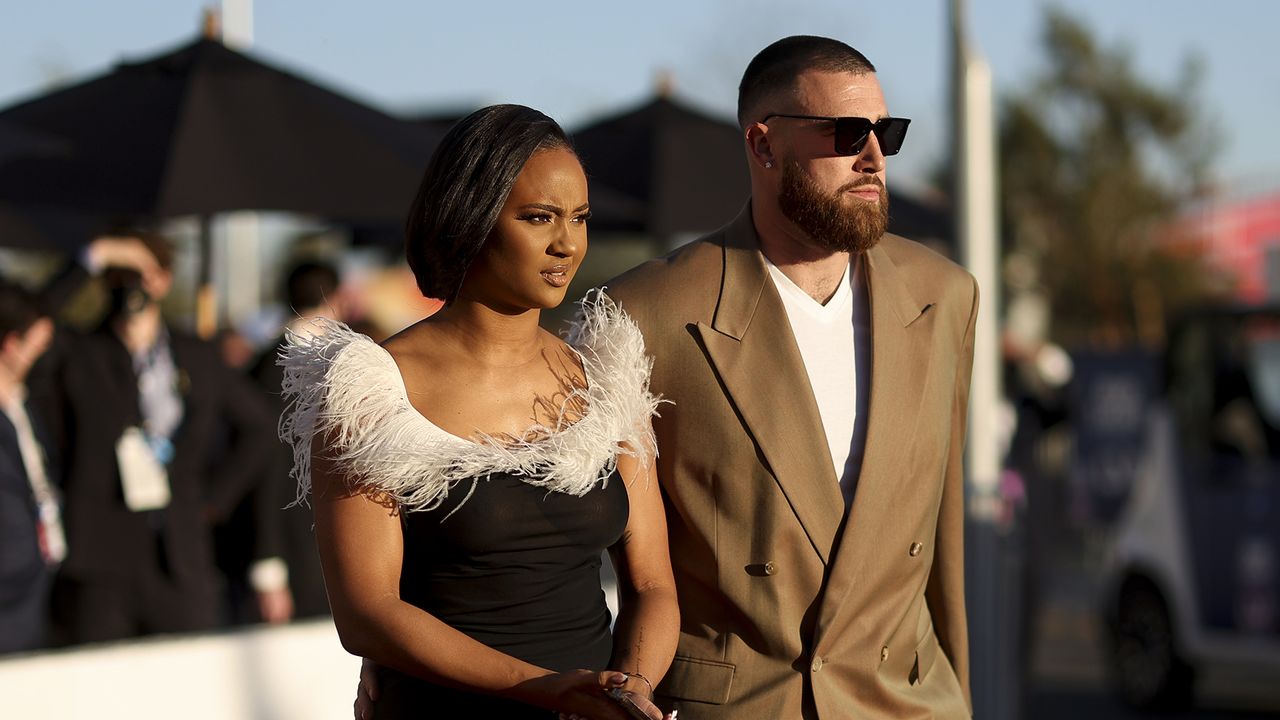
{"x": 134, "y": 408}
{"x": 267, "y": 548}
{"x": 31, "y": 538}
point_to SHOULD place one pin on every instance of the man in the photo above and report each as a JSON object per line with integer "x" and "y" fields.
{"x": 31, "y": 539}
{"x": 137, "y": 410}
{"x": 812, "y": 456}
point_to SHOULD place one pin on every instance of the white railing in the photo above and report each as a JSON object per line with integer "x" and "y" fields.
{"x": 294, "y": 672}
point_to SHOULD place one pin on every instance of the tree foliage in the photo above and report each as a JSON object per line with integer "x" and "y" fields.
{"x": 1095, "y": 162}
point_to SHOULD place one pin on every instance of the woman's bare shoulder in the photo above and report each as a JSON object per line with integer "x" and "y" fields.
{"x": 411, "y": 339}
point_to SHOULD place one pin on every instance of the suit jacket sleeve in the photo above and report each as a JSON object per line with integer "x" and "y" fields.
{"x": 61, "y": 287}
{"x": 275, "y": 489}
{"x": 44, "y": 382}
{"x": 945, "y": 590}
{"x": 249, "y": 418}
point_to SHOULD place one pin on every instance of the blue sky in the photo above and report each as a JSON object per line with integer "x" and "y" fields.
{"x": 577, "y": 60}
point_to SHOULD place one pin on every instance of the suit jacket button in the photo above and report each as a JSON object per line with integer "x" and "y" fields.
{"x": 816, "y": 665}
{"x": 770, "y": 568}
{"x": 915, "y": 549}
{"x": 884, "y": 653}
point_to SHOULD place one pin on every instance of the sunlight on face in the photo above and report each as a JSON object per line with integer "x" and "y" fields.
{"x": 539, "y": 240}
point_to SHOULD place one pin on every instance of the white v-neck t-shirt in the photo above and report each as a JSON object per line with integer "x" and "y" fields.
{"x": 834, "y": 341}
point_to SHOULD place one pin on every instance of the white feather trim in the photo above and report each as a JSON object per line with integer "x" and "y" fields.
{"x": 345, "y": 387}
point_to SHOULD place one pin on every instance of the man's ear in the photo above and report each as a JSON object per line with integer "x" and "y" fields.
{"x": 759, "y": 146}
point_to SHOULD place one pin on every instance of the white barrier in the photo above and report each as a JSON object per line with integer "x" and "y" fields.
{"x": 295, "y": 672}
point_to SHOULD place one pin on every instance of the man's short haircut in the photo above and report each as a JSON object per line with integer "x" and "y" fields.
{"x": 311, "y": 284}
{"x": 775, "y": 68}
{"x": 18, "y": 309}
{"x": 466, "y": 184}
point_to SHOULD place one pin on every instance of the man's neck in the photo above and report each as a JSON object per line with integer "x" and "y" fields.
{"x": 140, "y": 331}
{"x": 11, "y": 386}
{"x": 814, "y": 269}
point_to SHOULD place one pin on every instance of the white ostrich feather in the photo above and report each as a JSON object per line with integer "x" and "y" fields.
{"x": 347, "y": 389}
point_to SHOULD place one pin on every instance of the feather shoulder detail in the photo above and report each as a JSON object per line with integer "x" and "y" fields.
{"x": 347, "y": 389}
{"x": 618, "y": 368}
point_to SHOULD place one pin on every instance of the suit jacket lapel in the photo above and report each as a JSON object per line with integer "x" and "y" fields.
{"x": 751, "y": 347}
{"x": 899, "y": 368}
{"x": 113, "y": 372}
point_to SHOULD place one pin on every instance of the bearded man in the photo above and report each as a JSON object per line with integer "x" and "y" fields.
{"x": 811, "y": 460}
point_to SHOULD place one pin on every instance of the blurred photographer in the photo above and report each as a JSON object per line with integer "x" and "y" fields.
{"x": 136, "y": 409}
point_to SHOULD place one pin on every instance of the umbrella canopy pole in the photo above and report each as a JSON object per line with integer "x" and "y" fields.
{"x": 206, "y": 294}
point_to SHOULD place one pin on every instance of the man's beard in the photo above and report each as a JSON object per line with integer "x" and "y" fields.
{"x": 826, "y": 219}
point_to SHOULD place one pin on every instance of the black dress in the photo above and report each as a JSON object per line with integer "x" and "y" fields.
{"x": 502, "y": 541}
{"x": 517, "y": 568}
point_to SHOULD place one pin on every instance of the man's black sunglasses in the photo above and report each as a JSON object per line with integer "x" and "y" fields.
{"x": 852, "y": 132}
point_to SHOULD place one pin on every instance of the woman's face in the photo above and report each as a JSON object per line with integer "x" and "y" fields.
{"x": 539, "y": 240}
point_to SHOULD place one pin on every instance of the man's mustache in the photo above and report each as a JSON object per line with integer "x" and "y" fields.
{"x": 859, "y": 183}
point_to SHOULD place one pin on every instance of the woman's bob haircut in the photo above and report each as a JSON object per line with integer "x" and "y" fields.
{"x": 465, "y": 186}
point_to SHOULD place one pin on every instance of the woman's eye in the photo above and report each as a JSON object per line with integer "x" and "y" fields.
{"x": 582, "y": 218}
{"x": 537, "y": 218}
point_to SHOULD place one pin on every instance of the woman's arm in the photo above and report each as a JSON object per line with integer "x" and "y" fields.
{"x": 361, "y": 550}
{"x": 648, "y": 624}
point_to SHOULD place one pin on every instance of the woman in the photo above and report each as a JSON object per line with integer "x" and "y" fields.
{"x": 468, "y": 473}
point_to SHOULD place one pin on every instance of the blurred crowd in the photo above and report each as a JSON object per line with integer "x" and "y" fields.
{"x": 143, "y": 489}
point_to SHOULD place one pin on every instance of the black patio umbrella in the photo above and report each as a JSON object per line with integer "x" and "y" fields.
{"x": 205, "y": 129}
{"x": 33, "y": 226}
{"x": 36, "y": 227}
{"x": 688, "y": 172}
{"x": 685, "y": 169}
{"x": 17, "y": 142}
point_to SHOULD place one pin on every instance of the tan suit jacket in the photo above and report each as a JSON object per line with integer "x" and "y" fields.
{"x": 788, "y": 610}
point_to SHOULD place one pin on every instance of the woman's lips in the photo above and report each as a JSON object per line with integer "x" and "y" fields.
{"x": 557, "y": 276}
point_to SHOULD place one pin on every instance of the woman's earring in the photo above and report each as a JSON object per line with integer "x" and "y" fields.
{"x": 768, "y": 164}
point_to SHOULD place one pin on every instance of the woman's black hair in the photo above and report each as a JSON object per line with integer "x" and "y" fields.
{"x": 466, "y": 184}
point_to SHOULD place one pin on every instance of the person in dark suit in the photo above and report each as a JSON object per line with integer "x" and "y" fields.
{"x": 281, "y": 565}
{"x": 136, "y": 408}
{"x": 31, "y": 541}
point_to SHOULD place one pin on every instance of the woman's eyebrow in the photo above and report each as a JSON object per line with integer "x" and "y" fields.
{"x": 543, "y": 206}
{"x": 554, "y": 208}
